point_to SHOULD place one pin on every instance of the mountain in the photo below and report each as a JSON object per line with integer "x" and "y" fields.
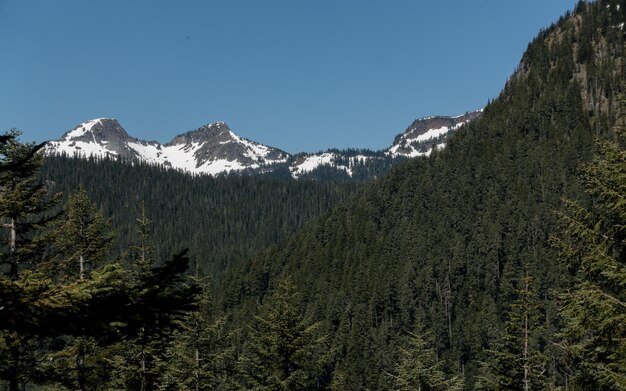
{"x": 210, "y": 149}
{"x": 447, "y": 264}
{"x": 443, "y": 243}
{"x": 215, "y": 149}
{"x": 426, "y": 134}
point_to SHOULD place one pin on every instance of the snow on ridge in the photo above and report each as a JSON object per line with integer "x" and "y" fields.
{"x": 218, "y": 166}
{"x": 179, "y": 156}
{"x": 431, "y": 134}
{"x": 254, "y": 150}
{"x": 149, "y": 152}
{"x": 78, "y": 148}
{"x": 83, "y": 128}
{"x": 408, "y": 142}
{"x": 312, "y": 162}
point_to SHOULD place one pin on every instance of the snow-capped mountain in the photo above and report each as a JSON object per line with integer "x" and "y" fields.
{"x": 427, "y": 133}
{"x": 214, "y": 148}
{"x": 306, "y": 163}
{"x": 424, "y": 135}
{"x": 210, "y": 149}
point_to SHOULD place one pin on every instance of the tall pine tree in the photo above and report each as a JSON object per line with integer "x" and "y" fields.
{"x": 81, "y": 239}
{"x": 517, "y": 361}
{"x": 285, "y": 351}
{"x": 594, "y": 246}
{"x": 418, "y": 368}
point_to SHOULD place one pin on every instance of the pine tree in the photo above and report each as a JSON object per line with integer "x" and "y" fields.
{"x": 143, "y": 256}
{"x": 160, "y": 300}
{"x": 594, "y": 246}
{"x": 80, "y": 243}
{"x": 516, "y": 362}
{"x": 23, "y": 203}
{"x": 285, "y": 351}
{"x": 201, "y": 355}
{"x": 418, "y": 368}
{"x": 40, "y": 312}
{"x": 81, "y": 238}
{"x": 36, "y": 311}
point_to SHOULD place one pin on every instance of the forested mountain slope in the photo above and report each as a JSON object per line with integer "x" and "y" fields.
{"x": 220, "y": 219}
{"x": 446, "y": 241}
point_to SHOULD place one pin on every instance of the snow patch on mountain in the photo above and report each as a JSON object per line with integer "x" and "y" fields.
{"x": 83, "y": 128}
{"x": 211, "y": 149}
{"x": 428, "y": 133}
{"x": 311, "y": 162}
{"x": 214, "y": 149}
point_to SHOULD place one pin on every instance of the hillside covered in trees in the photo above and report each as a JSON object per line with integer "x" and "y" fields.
{"x": 496, "y": 263}
{"x": 459, "y": 242}
{"x": 219, "y": 219}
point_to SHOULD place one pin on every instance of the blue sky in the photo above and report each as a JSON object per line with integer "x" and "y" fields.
{"x": 298, "y": 75}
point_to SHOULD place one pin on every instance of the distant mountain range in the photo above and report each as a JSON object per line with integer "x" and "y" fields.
{"x": 215, "y": 149}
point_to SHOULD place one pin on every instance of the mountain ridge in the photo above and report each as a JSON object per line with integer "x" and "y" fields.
{"x": 215, "y": 149}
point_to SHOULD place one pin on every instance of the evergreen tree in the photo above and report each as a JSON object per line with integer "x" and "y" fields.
{"x": 418, "y": 368}
{"x": 23, "y": 205}
{"x": 41, "y": 314}
{"x": 37, "y": 312}
{"x": 201, "y": 355}
{"x": 159, "y": 302}
{"x": 81, "y": 238}
{"x": 284, "y": 350}
{"x": 516, "y": 361}
{"x": 23, "y": 202}
{"x": 594, "y": 246}
{"x": 142, "y": 251}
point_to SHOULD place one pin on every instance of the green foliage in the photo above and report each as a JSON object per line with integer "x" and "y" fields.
{"x": 446, "y": 239}
{"x": 594, "y": 247}
{"x": 443, "y": 240}
{"x": 201, "y": 355}
{"x": 419, "y": 370}
{"x": 220, "y": 219}
{"x": 517, "y": 360}
{"x": 81, "y": 239}
{"x": 23, "y": 202}
{"x": 284, "y": 351}
{"x": 51, "y": 327}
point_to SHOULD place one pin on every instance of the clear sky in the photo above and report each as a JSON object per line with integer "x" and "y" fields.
{"x": 298, "y": 75}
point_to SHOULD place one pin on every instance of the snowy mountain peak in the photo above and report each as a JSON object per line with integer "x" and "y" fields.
{"x": 98, "y": 137}
{"x": 214, "y": 148}
{"x": 210, "y": 149}
{"x": 427, "y": 133}
{"x": 215, "y": 132}
{"x": 99, "y": 128}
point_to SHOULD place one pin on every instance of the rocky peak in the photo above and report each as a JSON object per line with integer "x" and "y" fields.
{"x": 213, "y": 133}
{"x": 97, "y": 130}
{"x": 98, "y": 137}
{"x": 423, "y": 128}
{"x": 427, "y": 133}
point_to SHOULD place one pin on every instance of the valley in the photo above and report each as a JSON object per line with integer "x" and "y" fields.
{"x": 484, "y": 251}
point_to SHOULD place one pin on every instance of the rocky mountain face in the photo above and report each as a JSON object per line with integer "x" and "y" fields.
{"x": 214, "y": 149}
{"x": 211, "y": 149}
{"x": 98, "y": 137}
{"x": 424, "y": 134}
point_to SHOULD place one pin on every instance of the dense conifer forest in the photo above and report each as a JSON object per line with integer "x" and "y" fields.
{"x": 219, "y": 219}
{"x": 498, "y": 263}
